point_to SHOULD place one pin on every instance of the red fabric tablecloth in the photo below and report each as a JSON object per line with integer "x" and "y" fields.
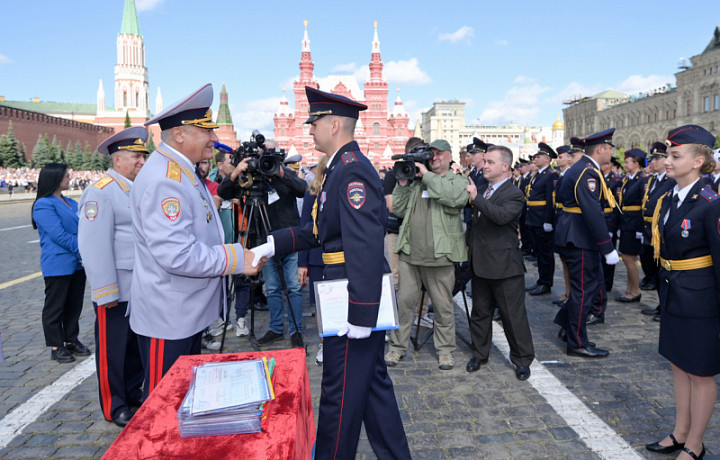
{"x": 288, "y": 432}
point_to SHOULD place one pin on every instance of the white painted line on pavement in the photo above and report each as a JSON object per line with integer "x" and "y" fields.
{"x": 14, "y": 228}
{"x": 595, "y": 433}
{"x": 33, "y": 241}
{"x": 15, "y": 422}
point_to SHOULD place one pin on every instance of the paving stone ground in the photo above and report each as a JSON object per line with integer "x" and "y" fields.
{"x": 447, "y": 414}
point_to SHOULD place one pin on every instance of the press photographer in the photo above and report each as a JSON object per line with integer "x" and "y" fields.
{"x": 259, "y": 172}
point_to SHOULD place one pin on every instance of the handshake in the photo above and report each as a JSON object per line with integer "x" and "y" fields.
{"x": 255, "y": 258}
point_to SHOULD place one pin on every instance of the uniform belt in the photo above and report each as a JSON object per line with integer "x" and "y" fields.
{"x": 577, "y": 210}
{"x": 647, "y": 219}
{"x": 537, "y": 203}
{"x": 332, "y": 258}
{"x": 632, "y": 208}
{"x": 558, "y": 205}
{"x": 687, "y": 264}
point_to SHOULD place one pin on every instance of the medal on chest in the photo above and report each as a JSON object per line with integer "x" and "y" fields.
{"x": 686, "y": 228}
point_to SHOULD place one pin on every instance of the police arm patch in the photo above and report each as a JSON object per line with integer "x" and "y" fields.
{"x": 91, "y": 210}
{"x": 171, "y": 208}
{"x": 356, "y": 194}
{"x": 592, "y": 184}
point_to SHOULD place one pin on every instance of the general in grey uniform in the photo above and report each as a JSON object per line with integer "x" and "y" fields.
{"x": 180, "y": 257}
{"x": 106, "y": 243}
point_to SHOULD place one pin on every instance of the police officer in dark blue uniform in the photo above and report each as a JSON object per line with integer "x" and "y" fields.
{"x": 582, "y": 237}
{"x": 631, "y": 223}
{"x": 349, "y": 224}
{"x": 686, "y": 237}
{"x": 540, "y": 216}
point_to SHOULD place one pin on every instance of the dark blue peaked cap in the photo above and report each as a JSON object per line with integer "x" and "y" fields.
{"x": 603, "y": 137}
{"x": 322, "y": 103}
{"x": 658, "y": 149}
{"x": 639, "y": 155}
{"x": 690, "y": 134}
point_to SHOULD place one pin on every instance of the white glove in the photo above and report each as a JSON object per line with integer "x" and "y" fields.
{"x": 355, "y": 332}
{"x": 639, "y": 236}
{"x": 547, "y": 227}
{"x": 610, "y": 234}
{"x": 612, "y": 258}
{"x": 618, "y": 233}
{"x": 264, "y": 250}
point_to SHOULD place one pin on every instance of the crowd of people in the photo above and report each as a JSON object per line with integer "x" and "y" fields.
{"x": 173, "y": 229}
{"x": 26, "y": 179}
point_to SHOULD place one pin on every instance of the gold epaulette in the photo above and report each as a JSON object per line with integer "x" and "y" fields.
{"x": 102, "y": 183}
{"x": 174, "y": 172}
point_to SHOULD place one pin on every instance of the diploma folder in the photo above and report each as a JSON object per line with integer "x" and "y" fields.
{"x": 331, "y": 300}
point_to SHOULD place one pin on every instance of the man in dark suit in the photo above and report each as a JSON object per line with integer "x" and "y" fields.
{"x": 498, "y": 273}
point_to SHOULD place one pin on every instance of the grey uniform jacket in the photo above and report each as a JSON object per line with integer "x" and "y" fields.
{"x": 105, "y": 238}
{"x": 180, "y": 257}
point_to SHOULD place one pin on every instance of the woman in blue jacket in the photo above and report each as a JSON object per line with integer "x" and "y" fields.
{"x": 55, "y": 217}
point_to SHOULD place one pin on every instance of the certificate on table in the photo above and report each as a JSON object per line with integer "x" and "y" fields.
{"x": 331, "y": 299}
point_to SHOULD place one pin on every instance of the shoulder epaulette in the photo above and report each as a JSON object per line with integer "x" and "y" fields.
{"x": 102, "y": 183}
{"x": 348, "y": 157}
{"x": 589, "y": 166}
{"x": 709, "y": 194}
{"x": 173, "y": 171}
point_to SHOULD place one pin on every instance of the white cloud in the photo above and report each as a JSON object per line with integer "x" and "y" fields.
{"x": 4, "y": 59}
{"x": 574, "y": 90}
{"x": 405, "y": 73}
{"x": 500, "y": 42}
{"x": 257, "y": 114}
{"x": 463, "y": 33}
{"x": 523, "y": 80}
{"x": 147, "y": 5}
{"x": 520, "y": 105}
{"x": 345, "y": 68}
{"x": 638, "y": 83}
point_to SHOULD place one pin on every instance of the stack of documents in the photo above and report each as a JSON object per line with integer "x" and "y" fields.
{"x": 226, "y": 398}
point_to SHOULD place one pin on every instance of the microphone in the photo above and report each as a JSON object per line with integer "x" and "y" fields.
{"x": 394, "y": 157}
{"x": 223, "y": 148}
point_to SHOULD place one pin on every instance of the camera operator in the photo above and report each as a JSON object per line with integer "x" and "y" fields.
{"x": 283, "y": 189}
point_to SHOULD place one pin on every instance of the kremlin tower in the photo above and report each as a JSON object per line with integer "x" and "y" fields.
{"x": 225, "y": 130}
{"x": 379, "y": 133}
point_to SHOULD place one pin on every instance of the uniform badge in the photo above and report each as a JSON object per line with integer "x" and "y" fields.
{"x": 356, "y": 194}
{"x": 171, "y": 208}
{"x": 592, "y": 185}
{"x": 91, "y": 210}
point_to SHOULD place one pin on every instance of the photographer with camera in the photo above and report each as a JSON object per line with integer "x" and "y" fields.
{"x": 431, "y": 241}
{"x": 281, "y": 187}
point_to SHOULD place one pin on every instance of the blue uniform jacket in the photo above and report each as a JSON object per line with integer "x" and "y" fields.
{"x": 691, "y": 293}
{"x": 581, "y": 188}
{"x": 57, "y": 223}
{"x": 309, "y": 256}
{"x": 352, "y": 217}
{"x": 612, "y": 216}
{"x": 655, "y": 190}
{"x": 631, "y": 195}
{"x": 541, "y": 188}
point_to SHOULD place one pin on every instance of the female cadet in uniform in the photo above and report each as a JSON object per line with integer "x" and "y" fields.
{"x": 631, "y": 222}
{"x": 55, "y": 218}
{"x": 686, "y": 233}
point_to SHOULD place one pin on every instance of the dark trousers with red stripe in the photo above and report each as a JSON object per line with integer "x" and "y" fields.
{"x": 117, "y": 360}
{"x": 158, "y": 356}
{"x": 542, "y": 242}
{"x": 356, "y": 388}
{"x": 609, "y": 270}
{"x": 585, "y": 284}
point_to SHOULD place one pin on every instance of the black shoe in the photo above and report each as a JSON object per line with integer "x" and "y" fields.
{"x": 588, "y": 352}
{"x": 656, "y": 447}
{"x": 123, "y": 418}
{"x": 530, "y": 288}
{"x": 540, "y": 290}
{"x": 522, "y": 372}
{"x": 530, "y": 258}
{"x": 296, "y": 340}
{"x": 693, "y": 454}
{"x": 562, "y": 335}
{"x": 656, "y": 318}
{"x": 592, "y": 319}
{"x": 474, "y": 364}
{"x": 135, "y": 403}
{"x": 649, "y": 286}
{"x": 77, "y": 348}
{"x": 269, "y": 337}
{"x": 624, "y": 299}
{"x": 260, "y": 307}
{"x": 650, "y": 311}
{"x": 62, "y": 355}
{"x": 496, "y": 315}
{"x": 560, "y": 302}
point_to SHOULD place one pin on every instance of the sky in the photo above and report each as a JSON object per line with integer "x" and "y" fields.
{"x": 509, "y": 61}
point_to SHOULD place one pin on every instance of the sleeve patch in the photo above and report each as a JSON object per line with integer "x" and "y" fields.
{"x": 102, "y": 183}
{"x": 356, "y": 194}
{"x": 91, "y": 210}
{"x": 171, "y": 208}
{"x": 174, "y": 172}
{"x": 592, "y": 184}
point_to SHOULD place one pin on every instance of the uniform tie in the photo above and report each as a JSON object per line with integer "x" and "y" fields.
{"x": 314, "y": 212}
{"x": 488, "y": 192}
{"x": 673, "y": 207}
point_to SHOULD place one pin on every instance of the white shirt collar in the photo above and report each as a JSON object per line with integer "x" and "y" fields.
{"x": 497, "y": 186}
{"x": 682, "y": 193}
{"x": 661, "y": 176}
{"x": 631, "y": 176}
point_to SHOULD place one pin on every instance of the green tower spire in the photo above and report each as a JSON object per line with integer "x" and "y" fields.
{"x": 130, "y": 25}
{"x": 223, "y": 116}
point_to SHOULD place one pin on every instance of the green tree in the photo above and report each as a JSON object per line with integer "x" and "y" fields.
{"x": 106, "y": 162}
{"x": 56, "y": 151}
{"x": 22, "y": 158}
{"x": 87, "y": 158}
{"x": 150, "y": 143}
{"x": 127, "y": 119}
{"x": 96, "y": 163}
{"x": 42, "y": 154}
{"x": 76, "y": 157}
{"x": 9, "y": 149}
{"x": 717, "y": 141}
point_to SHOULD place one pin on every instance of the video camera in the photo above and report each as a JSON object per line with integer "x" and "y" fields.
{"x": 405, "y": 167}
{"x": 262, "y": 162}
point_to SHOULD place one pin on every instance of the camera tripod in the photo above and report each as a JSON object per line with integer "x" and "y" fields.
{"x": 255, "y": 210}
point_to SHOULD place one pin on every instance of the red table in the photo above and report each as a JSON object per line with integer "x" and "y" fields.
{"x": 288, "y": 432}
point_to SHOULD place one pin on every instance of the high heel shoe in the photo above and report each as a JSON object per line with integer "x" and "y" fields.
{"x": 656, "y": 447}
{"x": 693, "y": 455}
